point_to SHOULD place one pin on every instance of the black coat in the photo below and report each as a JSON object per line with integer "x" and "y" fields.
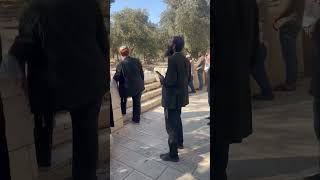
{"x": 129, "y": 74}
{"x": 4, "y": 155}
{"x": 75, "y": 66}
{"x": 315, "y": 83}
{"x": 175, "y": 85}
{"x": 27, "y": 48}
{"x": 236, "y": 35}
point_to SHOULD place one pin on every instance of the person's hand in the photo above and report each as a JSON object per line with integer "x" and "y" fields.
{"x": 276, "y": 24}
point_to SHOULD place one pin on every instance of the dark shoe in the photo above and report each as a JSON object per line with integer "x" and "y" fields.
{"x": 261, "y": 97}
{"x": 286, "y": 87}
{"x": 180, "y": 146}
{"x": 208, "y": 117}
{"x": 208, "y": 123}
{"x": 136, "y": 122}
{"x": 167, "y": 157}
{"x": 313, "y": 177}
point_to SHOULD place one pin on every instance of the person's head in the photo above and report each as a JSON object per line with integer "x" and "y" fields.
{"x": 124, "y": 51}
{"x": 202, "y": 54}
{"x": 176, "y": 44}
{"x": 208, "y": 57}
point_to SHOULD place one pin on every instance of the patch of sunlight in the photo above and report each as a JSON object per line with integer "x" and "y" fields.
{"x": 186, "y": 176}
{"x": 204, "y": 164}
{"x": 123, "y": 170}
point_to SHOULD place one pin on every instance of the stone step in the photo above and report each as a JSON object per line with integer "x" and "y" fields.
{"x": 146, "y": 96}
{"x": 63, "y": 128}
{"x": 145, "y": 106}
{"x": 152, "y": 86}
{"x": 62, "y": 158}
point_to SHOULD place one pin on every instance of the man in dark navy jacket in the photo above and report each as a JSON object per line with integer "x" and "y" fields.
{"x": 175, "y": 96}
{"x": 129, "y": 74}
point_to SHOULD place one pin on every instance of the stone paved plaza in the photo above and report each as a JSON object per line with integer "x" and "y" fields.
{"x": 283, "y": 146}
{"x": 136, "y": 148}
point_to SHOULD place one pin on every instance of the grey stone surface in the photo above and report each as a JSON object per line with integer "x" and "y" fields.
{"x": 139, "y": 146}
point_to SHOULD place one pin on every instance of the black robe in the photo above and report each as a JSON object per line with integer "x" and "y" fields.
{"x": 175, "y": 85}
{"x": 236, "y": 39}
{"x": 73, "y": 67}
{"x": 4, "y": 155}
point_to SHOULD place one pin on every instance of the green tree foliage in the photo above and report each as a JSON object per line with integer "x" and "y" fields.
{"x": 191, "y": 18}
{"x": 132, "y": 27}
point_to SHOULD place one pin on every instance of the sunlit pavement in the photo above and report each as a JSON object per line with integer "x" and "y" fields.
{"x": 136, "y": 148}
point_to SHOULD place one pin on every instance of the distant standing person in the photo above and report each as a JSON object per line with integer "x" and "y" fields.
{"x": 130, "y": 76}
{"x": 189, "y": 61}
{"x": 259, "y": 72}
{"x": 289, "y": 25}
{"x": 200, "y": 68}
{"x": 175, "y": 96}
{"x": 4, "y": 154}
{"x": 311, "y": 24}
{"x": 207, "y": 70}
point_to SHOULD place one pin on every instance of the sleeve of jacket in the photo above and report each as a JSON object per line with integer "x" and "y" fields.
{"x": 141, "y": 70}
{"x": 24, "y": 44}
{"x": 118, "y": 73}
{"x": 102, "y": 37}
{"x": 171, "y": 78}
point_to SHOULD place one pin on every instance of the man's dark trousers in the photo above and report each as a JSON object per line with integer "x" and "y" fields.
{"x": 288, "y": 40}
{"x": 123, "y": 103}
{"x": 85, "y": 140}
{"x": 136, "y": 105}
{"x": 43, "y": 130}
{"x": 174, "y": 129}
{"x": 220, "y": 160}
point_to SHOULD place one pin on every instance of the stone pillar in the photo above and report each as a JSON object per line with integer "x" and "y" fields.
{"x": 118, "y": 119}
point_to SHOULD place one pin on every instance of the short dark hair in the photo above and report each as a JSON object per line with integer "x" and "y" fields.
{"x": 178, "y": 41}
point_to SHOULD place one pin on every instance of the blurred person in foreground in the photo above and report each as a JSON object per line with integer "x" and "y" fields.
{"x": 68, "y": 41}
{"x": 175, "y": 96}
{"x": 4, "y": 154}
{"x": 259, "y": 72}
{"x": 289, "y": 24}
{"x": 311, "y": 25}
{"x": 236, "y": 34}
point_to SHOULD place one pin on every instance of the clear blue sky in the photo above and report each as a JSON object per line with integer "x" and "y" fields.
{"x": 154, "y": 7}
